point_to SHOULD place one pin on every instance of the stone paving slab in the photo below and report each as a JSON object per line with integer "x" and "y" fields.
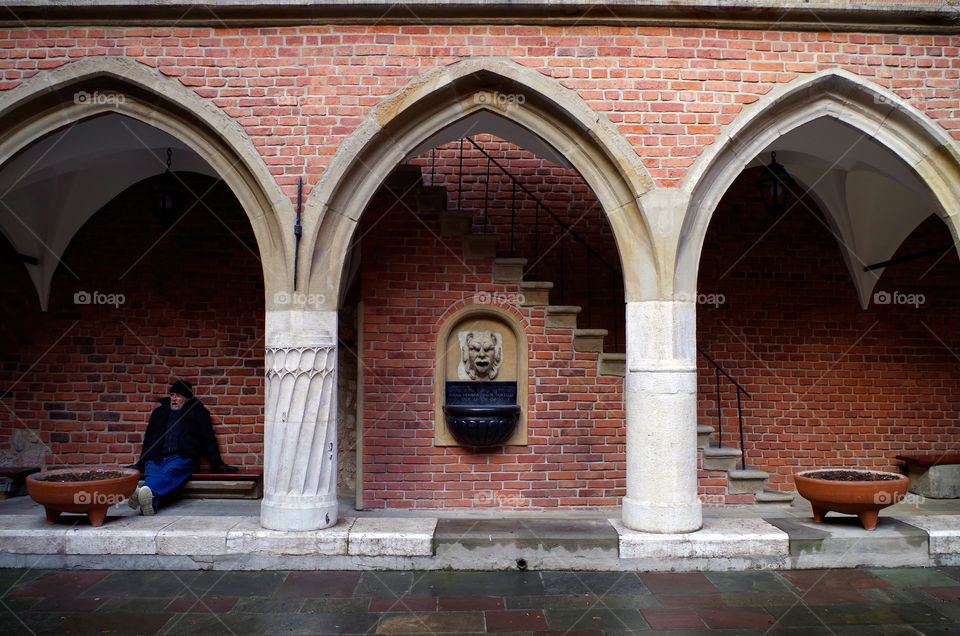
{"x": 54, "y": 603}
{"x": 572, "y": 534}
{"x": 249, "y": 537}
{"x": 379, "y": 536}
{"x": 195, "y": 536}
{"x": 31, "y": 534}
{"x": 128, "y": 535}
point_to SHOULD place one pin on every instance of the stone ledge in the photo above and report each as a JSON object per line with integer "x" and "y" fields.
{"x": 386, "y": 536}
{"x": 213, "y": 536}
{"x": 834, "y": 15}
{"x": 841, "y": 542}
{"x": 249, "y": 537}
{"x": 720, "y": 538}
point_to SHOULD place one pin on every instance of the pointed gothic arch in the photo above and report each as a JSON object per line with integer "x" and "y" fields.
{"x": 880, "y": 114}
{"x": 49, "y": 101}
{"x": 443, "y": 97}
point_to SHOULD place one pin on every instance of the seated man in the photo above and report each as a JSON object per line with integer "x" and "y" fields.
{"x": 178, "y": 436}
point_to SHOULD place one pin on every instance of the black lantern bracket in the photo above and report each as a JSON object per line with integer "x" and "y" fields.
{"x": 775, "y": 185}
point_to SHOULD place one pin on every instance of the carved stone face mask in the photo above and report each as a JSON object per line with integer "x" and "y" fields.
{"x": 482, "y": 355}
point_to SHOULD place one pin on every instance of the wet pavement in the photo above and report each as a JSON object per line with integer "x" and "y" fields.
{"x": 853, "y": 601}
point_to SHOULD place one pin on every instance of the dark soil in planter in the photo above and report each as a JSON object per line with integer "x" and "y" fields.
{"x": 850, "y": 475}
{"x": 85, "y": 475}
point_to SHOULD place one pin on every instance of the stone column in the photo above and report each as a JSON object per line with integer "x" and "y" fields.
{"x": 660, "y": 394}
{"x": 300, "y": 427}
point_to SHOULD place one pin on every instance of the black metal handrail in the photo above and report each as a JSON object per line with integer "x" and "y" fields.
{"x": 740, "y": 390}
{"x": 540, "y": 205}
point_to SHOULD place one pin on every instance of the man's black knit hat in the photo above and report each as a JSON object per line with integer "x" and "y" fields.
{"x": 182, "y": 387}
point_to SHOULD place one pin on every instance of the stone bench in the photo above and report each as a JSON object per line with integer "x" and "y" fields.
{"x": 933, "y": 474}
{"x": 13, "y": 480}
{"x": 246, "y": 484}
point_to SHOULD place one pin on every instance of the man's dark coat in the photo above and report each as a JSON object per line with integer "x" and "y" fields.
{"x": 196, "y": 439}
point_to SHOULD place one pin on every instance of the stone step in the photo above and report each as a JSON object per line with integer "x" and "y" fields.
{"x": 455, "y": 223}
{"x": 589, "y": 340}
{"x": 562, "y": 316}
{"x": 720, "y": 458}
{"x": 614, "y": 364}
{"x": 535, "y": 293}
{"x": 703, "y": 435}
{"x": 432, "y": 198}
{"x": 512, "y": 544}
{"x": 508, "y": 269}
{"x": 480, "y": 245}
{"x": 749, "y": 481}
{"x": 775, "y": 497}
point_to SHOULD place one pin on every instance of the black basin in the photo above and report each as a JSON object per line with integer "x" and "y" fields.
{"x": 481, "y": 413}
{"x": 481, "y": 425}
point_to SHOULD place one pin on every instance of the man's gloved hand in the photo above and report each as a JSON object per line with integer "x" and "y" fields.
{"x": 226, "y": 469}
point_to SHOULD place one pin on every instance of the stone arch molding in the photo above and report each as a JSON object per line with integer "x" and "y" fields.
{"x": 907, "y": 132}
{"x": 444, "y": 96}
{"x": 46, "y": 102}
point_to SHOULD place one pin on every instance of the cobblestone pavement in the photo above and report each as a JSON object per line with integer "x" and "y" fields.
{"x": 858, "y": 601}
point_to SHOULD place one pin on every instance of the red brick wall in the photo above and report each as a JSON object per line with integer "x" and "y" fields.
{"x": 410, "y": 282}
{"x": 831, "y": 383}
{"x": 85, "y": 377}
{"x": 299, "y": 91}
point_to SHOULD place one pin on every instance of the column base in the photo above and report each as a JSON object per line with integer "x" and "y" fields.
{"x": 289, "y": 517}
{"x": 662, "y": 518}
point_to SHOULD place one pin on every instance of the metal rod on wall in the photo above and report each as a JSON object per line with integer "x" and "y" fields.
{"x": 297, "y": 230}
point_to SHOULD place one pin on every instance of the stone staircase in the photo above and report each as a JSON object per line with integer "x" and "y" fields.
{"x": 719, "y": 463}
{"x": 456, "y": 224}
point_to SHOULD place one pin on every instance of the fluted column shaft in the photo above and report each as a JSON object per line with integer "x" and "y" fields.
{"x": 300, "y": 424}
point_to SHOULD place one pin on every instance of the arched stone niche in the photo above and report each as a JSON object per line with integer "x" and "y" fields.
{"x": 449, "y": 366}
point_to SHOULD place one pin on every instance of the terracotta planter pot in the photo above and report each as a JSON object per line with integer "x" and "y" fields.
{"x": 91, "y": 498}
{"x": 860, "y": 497}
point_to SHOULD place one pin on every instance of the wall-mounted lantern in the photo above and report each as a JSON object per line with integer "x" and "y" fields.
{"x": 775, "y": 185}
